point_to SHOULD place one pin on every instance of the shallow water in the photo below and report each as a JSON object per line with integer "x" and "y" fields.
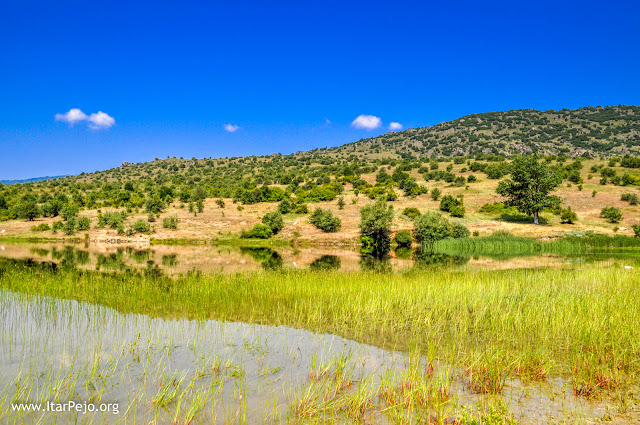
{"x": 173, "y": 260}
{"x": 222, "y": 372}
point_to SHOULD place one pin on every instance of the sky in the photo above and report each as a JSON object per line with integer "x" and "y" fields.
{"x": 85, "y": 86}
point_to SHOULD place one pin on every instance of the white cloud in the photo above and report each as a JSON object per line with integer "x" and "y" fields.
{"x": 231, "y": 128}
{"x": 395, "y": 126}
{"x": 96, "y": 121}
{"x": 100, "y": 120}
{"x": 74, "y": 115}
{"x": 367, "y": 122}
{"x": 327, "y": 121}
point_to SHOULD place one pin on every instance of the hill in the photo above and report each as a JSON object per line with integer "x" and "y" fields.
{"x": 33, "y": 179}
{"x": 588, "y": 131}
{"x": 465, "y": 159}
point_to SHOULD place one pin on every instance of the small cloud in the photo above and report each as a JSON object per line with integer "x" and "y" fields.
{"x": 327, "y": 121}
{"x": 96, "y": 121}
{"x": 231, "y": 128}
{"x": 395, "y": 126}
{"x": 100, "y": 120}
{"x": 367, "y": 122}
{"x": 72, "y": 117}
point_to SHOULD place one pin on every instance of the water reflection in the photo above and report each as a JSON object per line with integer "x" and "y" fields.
{"x": 173, "y": 260}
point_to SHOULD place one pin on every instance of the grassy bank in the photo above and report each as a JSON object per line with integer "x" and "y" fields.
{"x": 493, "y": 324}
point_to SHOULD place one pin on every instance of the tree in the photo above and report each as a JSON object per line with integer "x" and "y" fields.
{"x": 27, "y": 210}
{"x": 375, "y": 226}
{"x": 529, "y": 186}
{"x": 431, "y": 227}
{"x": 274, "y": 221}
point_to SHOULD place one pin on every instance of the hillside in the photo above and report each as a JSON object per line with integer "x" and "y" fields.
{"x": 465, "y": 158}
{"x": 594, "y": 131}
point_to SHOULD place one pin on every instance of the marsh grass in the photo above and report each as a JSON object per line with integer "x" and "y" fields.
{"x": 495, "y": 325}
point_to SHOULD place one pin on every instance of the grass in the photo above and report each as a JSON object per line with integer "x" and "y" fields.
{"x": 494, "y": 324}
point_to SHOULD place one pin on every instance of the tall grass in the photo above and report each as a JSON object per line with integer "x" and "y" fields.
{"x": 581, "y": 323}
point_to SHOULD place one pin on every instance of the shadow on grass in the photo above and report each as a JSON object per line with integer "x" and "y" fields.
{"x": 520, "y": 218}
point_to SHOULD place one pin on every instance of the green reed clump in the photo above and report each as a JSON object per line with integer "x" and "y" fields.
{"x": 532, "y": 322}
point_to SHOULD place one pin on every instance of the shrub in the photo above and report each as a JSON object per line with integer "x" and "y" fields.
{"x": 69, "y": 212}
{"x": 411, "y": 212}
{"x": 611, "y": 214}
{"x": 471, "y": 179}
{"x": 432, "y": 227}
{"x": 151, "y": 218}
{"x": 375, "y": 226}
{"x": 301, "y": 209}
{"x": 83, "y": 223}
{"x": 568, "y": 216}
{"x": 112, "y": 219}
{"x": 69, "y": 226}
{"x": 459, "y": 230}
{"x": 57, "y": 225}
{"x": 325, "y": 220}
{"x": 457, "y": 211}
{"x": 403, "y": 238}
{"x": 259, "y": 231}
{"x": 170, "y": 222}
{"x": 435, "y": 193}
{"x": 220, "y": 203}
{"x": 274, "y": 221}
{"x": 141, "y": 226}
{"x": 41, "y": 227}
{"x": 285, "y": 207}
{"x": 631, "y": 198}
{"x": 636, "y": 230}
{"x": 341, "y": 203}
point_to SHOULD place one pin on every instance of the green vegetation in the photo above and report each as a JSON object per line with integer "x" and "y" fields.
{"x": 325, "y": 220}
{"x": 506, "y": 322}
{"x": 611, "y": 214}
{"x": 403, "y": 238}
{"x": 529, "y": 187}
{"x": 274, "y": 221}
{"x": 170, "y": 222}
{"x": 375, "y": 227}
{"x": 411, "y": 212}
{"x": 431, "y": 227}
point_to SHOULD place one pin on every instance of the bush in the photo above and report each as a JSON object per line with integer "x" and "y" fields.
{"x": 301, "y": 209}
{"x": 459, "y": 231}
{"x": 568, "y": 216}
{"x": 325, "y": 220}
{"x": 57, "y": 225}
{"x": 285, "y": 207}
{"x": 457, "y": 211}
{"x": 411, "y": 212}
{"x": 631, "y": 198}
{"x": 611, "y": 214}
{"x": 259, "y": 231}
{"x": 435, "y": 193}
{"x": 41, "y": 227}
{"x": 83, "y": 223}
{"x": 375, "y": 226}
{"x": 431, "y": 227}
{"x": 636, "y": 230}
{"x": 112, "y": 219}
{"x": 141, "y": 226}
{"x": 69, "y": 212}
{"x": 170, "y": 222}
{"x": 220, "y": 203}
{"x": 274, "y": 221}
{"x": 471, "y": 179}
{"x": 403, "y": 238}
{"x": 69, "y": 226}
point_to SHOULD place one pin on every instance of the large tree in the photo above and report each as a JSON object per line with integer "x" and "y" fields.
{"x": 529, "y": 186}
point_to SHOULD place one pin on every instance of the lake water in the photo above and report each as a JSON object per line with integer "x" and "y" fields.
{"x": 181, "y": 371}
{"x": 172, "y": 260}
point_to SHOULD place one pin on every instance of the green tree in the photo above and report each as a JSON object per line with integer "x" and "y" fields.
{"x": 27, "y": 210}
{"x": 529, "y": 186}
{"x": 375, "y": 226}
{"x": 274, "y": 221}
{"x": 69, "y": 212}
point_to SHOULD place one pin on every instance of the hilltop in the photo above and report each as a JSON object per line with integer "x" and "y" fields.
{"x": 588, "y": 131}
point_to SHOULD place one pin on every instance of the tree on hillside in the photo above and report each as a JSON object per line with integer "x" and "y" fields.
{"x": 529, "y": 186}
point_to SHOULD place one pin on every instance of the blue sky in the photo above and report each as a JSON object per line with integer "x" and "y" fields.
{"x": 290, "y": 75}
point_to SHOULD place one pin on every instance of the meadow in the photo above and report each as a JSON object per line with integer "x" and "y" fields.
{"x": 485, "y": 334}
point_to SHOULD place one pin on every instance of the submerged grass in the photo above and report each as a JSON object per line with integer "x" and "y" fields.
{"x": 581, "y": 323}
